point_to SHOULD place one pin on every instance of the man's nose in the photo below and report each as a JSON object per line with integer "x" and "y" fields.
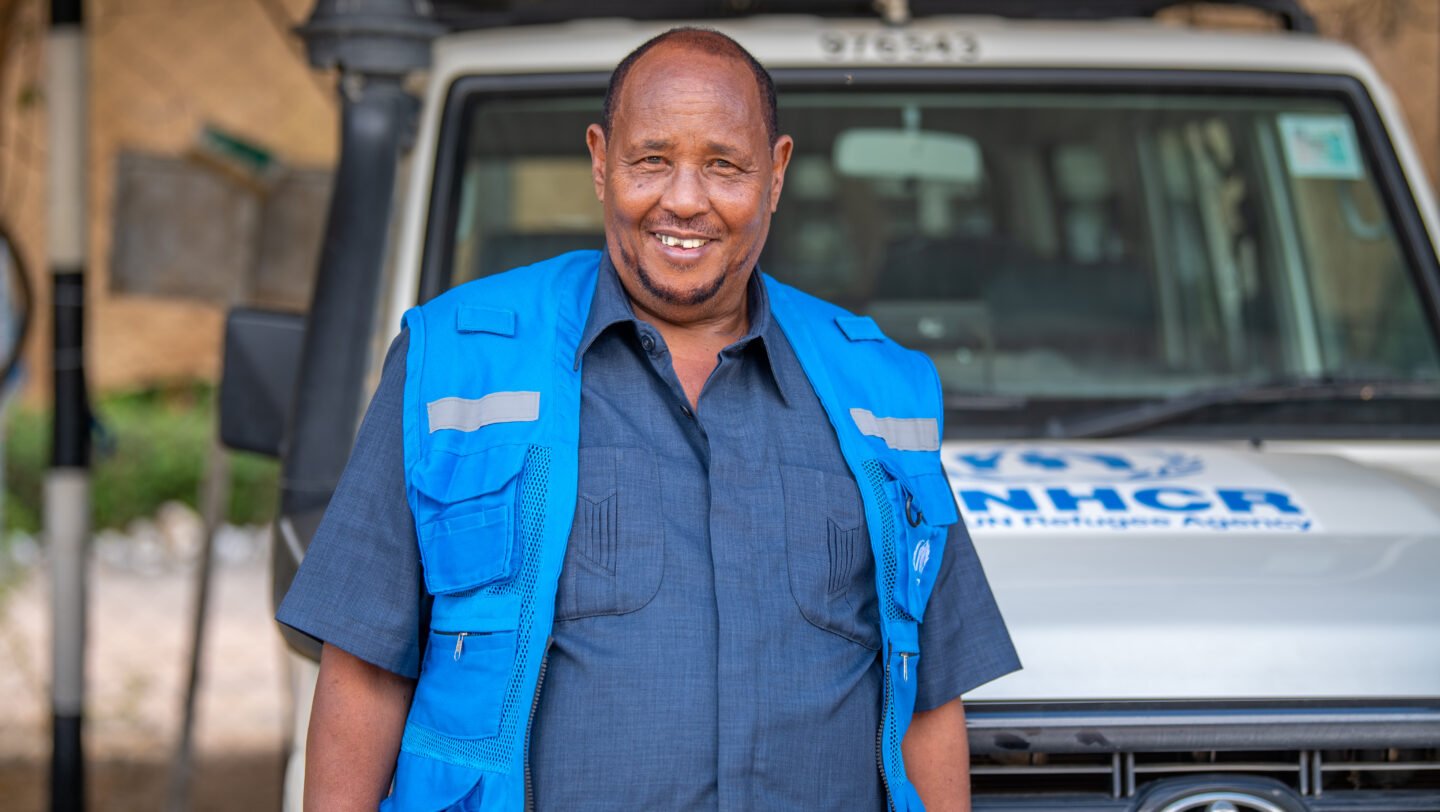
{"x": 686, "y": 196}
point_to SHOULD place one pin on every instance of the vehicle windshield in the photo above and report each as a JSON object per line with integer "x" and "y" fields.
{"x": 1049, "y": 250}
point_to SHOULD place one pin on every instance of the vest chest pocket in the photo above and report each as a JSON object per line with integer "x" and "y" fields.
{"x": 467, "y": 518}
{"x": 924, "y": 508}
{"x": 615, "y": 558}
{"x": 463, "y": 681}
{"x": 467, "y": 521}
{"x": 827, "y": 549}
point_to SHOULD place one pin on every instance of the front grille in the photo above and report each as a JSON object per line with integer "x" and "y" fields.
{"x": 1310, "y": 773}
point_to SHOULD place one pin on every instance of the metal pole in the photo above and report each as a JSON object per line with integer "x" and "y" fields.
{"x": 214, "y": 496}
{"x": 67, "y": 485}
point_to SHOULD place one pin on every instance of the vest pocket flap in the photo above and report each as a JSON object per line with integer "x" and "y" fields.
{"x": 468, "y": 551}
{"x": 450, "y": 478}
{"x": 477, "y": 613}
{"x": 467, "y": 518}
{"x": 936, "y": 499}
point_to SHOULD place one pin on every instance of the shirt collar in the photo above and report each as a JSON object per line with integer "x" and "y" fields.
{"x": 611, "y": 306}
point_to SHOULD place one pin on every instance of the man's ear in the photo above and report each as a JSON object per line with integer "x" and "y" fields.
{"x": 595, "y": 140}
{"x": 779, "y": 160}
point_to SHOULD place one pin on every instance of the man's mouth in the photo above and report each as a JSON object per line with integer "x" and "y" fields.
{"x": 673, "y": 241}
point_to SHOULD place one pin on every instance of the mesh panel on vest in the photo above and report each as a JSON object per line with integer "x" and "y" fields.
{"x": 889, "y": 725}
{"x": 494, "y": 754}
{"x": 875, "y": 478}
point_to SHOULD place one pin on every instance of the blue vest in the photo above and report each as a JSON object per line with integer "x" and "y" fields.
{"x": 492, "y": 425}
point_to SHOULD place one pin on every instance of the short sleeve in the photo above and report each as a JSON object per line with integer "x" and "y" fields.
{"x": 360, "y": 586}
{"x": 963, "y": 640}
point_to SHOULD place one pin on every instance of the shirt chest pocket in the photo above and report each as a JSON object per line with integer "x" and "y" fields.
{"x": 827, "y": 548}
{"x": 615, "y": 558}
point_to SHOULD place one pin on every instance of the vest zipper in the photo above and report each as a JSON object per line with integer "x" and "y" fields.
{"x": 530, "y": 722}
{"x": 885, "y": 709}
{"x": 459, "y": 640}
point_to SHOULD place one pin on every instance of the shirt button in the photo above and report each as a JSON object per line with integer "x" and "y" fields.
{"x": 647, "y": 341}
{"x": 685, "y": 410}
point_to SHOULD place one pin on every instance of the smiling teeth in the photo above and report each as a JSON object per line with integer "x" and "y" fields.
{"x": 676, "y": 241}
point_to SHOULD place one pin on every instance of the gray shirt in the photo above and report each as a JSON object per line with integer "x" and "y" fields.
{"x": 716, "y": 617}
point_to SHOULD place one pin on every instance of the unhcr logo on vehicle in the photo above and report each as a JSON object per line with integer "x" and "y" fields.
{"x": 1026, "y": 464}
{"x": 1032, "y": 488}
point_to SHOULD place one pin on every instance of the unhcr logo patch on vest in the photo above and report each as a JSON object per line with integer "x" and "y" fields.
{"x": 469, "y": 414}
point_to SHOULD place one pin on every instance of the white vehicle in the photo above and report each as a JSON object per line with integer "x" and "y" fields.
{"x": 1182, "y": 290}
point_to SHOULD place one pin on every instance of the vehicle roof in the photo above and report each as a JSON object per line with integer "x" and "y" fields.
{"x": 786, "y": 41}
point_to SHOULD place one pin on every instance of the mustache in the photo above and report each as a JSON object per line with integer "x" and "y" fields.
{"x": 692, "y": 225}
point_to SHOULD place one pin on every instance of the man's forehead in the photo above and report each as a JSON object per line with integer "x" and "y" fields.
{"x": 659, "y": 134}
{"x": 658, "y": 95}
{"x": 680, "y": 74}
{"x": 669, "y": 55}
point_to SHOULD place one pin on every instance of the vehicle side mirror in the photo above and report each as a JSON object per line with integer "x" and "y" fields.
{"x": 257, "y": 382}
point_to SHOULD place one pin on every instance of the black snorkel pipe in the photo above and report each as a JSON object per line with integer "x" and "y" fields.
{"x": 373, "y": 44}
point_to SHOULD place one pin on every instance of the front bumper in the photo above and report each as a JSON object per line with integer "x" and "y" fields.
{"x": 1314, "y": 755}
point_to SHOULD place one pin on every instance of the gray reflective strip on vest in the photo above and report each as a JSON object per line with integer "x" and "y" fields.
{"x": 469, "y": 414}
{"x": 900, "y": 433}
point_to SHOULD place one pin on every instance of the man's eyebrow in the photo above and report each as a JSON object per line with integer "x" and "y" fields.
{"x": 722, "y": 149}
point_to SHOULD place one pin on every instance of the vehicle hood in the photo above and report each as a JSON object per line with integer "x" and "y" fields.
{"x": 1129, "y": 570}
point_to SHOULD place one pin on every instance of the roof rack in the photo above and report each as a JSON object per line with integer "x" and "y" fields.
{"x": 472, "y": 14}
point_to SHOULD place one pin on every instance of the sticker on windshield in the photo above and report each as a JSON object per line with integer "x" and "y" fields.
{"x": 1321, "y": 146}
{"x": 1030, "y": 489}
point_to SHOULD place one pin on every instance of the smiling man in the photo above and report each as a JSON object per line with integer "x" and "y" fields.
{"x": 643, "y": 529}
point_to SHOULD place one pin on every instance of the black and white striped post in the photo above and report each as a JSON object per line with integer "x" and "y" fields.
{"x": 67, "y": 484}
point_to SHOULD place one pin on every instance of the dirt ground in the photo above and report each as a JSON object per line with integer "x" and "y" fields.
{"x": 141, "y": 598}
{"x": 229, "y": 782}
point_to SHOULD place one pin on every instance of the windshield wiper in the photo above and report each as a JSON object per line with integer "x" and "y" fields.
{"x": 983, "y": 402}
{"x": 1130, "y": 419}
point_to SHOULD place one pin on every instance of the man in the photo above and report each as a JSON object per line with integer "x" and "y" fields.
{"x": 685, "y": 435}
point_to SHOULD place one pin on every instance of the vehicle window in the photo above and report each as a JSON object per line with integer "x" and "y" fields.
{"x": 525, "y": 192}
{"x": 1080, "y": 246}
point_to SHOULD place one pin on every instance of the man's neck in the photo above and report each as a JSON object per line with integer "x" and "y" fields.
{"x": 695, "y": 343}
{"x": 718, "y": 331}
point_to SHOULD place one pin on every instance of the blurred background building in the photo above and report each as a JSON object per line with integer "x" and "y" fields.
{"x": 160, "y": 72}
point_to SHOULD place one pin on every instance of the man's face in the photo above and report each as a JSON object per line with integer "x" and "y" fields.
{"x": 689, "y": 180}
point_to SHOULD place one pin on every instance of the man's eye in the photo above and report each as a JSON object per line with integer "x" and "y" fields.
{"x": 653, "y": 160}
{"x": 724, "y": 164}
